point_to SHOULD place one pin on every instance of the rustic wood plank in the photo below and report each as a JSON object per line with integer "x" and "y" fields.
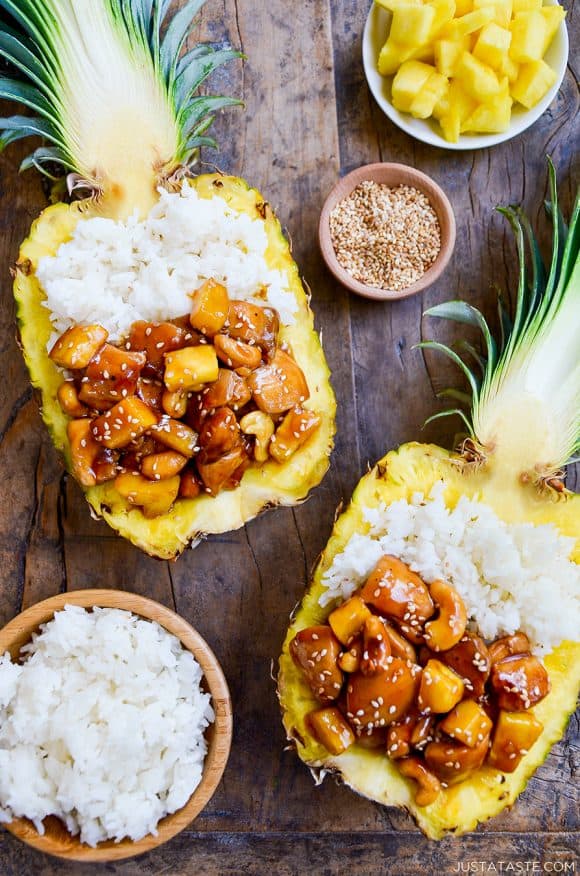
{"x": 288, "y": 854}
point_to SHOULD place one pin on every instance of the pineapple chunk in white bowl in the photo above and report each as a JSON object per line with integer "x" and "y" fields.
{"x": 376, "y": 30}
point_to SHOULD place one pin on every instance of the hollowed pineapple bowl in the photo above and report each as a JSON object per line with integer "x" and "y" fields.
{"x": 535, "y": 83}
{"x": 156, "y": 400}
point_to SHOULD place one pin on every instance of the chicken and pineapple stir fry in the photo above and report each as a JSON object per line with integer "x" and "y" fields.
{"x": 184, "y": 406}
{"x": 397, "y": 668}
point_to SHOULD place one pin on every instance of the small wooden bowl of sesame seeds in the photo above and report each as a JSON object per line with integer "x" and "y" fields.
{"x": 386, "y": 231}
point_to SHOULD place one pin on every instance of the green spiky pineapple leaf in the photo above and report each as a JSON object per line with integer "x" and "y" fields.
{"x": 531, "y": 375}
{"x": 80, "y": 64}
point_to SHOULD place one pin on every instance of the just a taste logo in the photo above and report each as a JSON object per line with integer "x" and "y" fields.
{"x": 559, "y": 865}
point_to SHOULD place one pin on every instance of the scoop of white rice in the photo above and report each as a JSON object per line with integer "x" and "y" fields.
{"x": 511, "y": 576}
{"x": 114, "y": 273}
{"x": 102, "y": 725}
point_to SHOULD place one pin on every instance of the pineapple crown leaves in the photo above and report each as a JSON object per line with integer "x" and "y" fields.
{"x": 536, "y": 348}
{"x": 47, "y": 44}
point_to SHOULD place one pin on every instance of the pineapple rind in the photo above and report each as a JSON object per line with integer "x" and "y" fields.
{"x": 271, "y": 484}
{"x": 416, "y": 468}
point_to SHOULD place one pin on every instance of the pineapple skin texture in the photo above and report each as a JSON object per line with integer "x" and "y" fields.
{"x": 271, "y": 484}
{"x": 416, "y": 468}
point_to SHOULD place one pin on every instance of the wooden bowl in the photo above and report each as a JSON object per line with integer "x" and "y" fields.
{"x": 391, "y": 175}
{"x": 56, "y": 839}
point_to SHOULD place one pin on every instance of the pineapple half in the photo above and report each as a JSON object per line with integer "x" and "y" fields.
{"x": 116, "y": 98}
{"x": 524, "y": 426}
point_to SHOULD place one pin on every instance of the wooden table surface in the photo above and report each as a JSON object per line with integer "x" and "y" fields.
{"x": 309, "y": 118}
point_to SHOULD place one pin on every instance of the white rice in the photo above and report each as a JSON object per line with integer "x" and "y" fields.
{"x": 115, "y": 273}
{"x": 102, "y": 725}
{"x": 510, "y": 576}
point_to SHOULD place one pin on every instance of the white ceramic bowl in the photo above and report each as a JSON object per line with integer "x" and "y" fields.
{"x": 375, "y": 33}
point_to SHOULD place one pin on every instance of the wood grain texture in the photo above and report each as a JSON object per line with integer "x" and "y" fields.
{"x": 56, "y": 840}
{"x": 309, "y": 118}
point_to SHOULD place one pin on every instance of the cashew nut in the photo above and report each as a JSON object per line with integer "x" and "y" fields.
{"x": 261, "y": 426}
{"x": 428, "y": 785}
{"x": 68, "y": 398}
{"x": 447, "y": 629}
{"x": 400, "y": 647}
{"x": 349, "y": 661}
{"x": 174, "y": 403}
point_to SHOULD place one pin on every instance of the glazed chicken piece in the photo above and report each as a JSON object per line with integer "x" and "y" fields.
{"x": 382, "y": 698}
{"x": 316, "y": 650}
{"x": 470, "y": 659}
{"x": 519, "y": 682}
{"x": 279, "y": 385}
{"x": 112, "y": 363}
{"x": 77, "y": 345}
{"x": 451, "y": 761}
{"x": 225, "y": 472}
{"x": 156, "y": 339}
{"x": 397, "y": 592}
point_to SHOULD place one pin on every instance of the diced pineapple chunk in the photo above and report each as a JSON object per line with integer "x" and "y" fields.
{"x": 504, "y": 88}
{"x": 176, "y": 435}
{"x": 492, "y": 45}
{"x": 190, "y": 368}
{"x": 490, "y": 118}
{"x": 444, "y": 12}
{"x": 443, "y": 105}
{"x": 123, "y": 423}
{"x": 502, "y": 10}
{"x": 349, "y": 618}
{"x": 331, "y": 730}
{"x": 533, "y": 82}
{"x": 450, "y": 125}
{"x": 553, "y": 16}
{"x": 160, "y": 466}
{"x": 460, "y": 105}
{"x": 422, "y": 53}
{"x": 514, "y": 735}
{"x": 295, "y": 429}
{"x": 209, "y": 308}
{"x": 391, "y": 56}
{"x": 447, "y": 54}
{"x": 477, "y": 78}
{"x": 529, "y": 31}
{"x": 510, "y": 69}
{"x": 440, "y": 688}
{"x": 471, "y": 22}
{"x": 459, "y": 97}
{"x": 411, "y": 25}
{"x": 156, "y": 497}
{"x": 468, "y": 723}
{"x": 462, "y": 7}
{"x": 433, "y": 90}
{"x": 525, "y": 5}
{"x": 410, "y": 79}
